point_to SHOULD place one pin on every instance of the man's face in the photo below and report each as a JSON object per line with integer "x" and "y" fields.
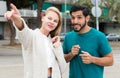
{"x": 78, "y": 20}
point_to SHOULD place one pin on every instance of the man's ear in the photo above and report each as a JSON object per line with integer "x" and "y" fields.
{"x": 88, "y": 18}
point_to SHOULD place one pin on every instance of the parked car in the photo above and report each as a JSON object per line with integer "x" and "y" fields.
{"x": 62, "y": 36}
{"x": 1, "y": 37}
{"x": 113, "y": 37}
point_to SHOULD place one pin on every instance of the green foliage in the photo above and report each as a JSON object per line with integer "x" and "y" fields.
{"x": 112, "y": 5}
{"x": 22, "y": 3}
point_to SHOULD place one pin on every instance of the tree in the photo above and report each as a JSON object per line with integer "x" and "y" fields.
{"x": 39, "y": 10}
{"x": 82, "y": 2}
{"x": 12, "y": 30}
{"x": 113, "y": 6}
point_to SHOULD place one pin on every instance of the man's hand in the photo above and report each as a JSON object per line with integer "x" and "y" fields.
{"x": 75, "y": 50}
{"x": 86, "y": 57}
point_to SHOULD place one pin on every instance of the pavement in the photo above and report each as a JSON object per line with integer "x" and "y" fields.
{"x": 11, "y": 61}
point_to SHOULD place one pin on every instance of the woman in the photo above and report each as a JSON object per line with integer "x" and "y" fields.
{"x": 42, "y": 51}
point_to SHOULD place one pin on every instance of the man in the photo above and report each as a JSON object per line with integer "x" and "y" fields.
{"x": 87, "y": 49}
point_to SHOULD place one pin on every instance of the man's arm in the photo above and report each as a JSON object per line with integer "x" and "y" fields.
{"x": 68, "y": 57}
{"x": 74, "y": 52}
{"x": 106, "y": 60}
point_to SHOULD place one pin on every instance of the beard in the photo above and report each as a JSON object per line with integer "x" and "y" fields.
{"x": 81, "y": 27}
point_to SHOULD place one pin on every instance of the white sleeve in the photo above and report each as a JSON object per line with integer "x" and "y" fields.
{"x": 60, "y": 58}
{"x": 25, "y": 35}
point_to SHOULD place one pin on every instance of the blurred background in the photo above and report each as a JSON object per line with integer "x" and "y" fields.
{"x": 105, "y": 17}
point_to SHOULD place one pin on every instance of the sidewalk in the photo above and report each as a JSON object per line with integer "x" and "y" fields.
{"x": 5, "y": 44}
{"x": 11, "y": 62}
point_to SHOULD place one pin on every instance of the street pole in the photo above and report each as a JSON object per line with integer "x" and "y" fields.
{"x": 65, "y": 18}
{"x": 97, "y": 23}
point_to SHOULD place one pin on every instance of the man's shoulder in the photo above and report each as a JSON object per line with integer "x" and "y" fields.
{"x": 70, "y": 33}
{"x": 97, "y": 32}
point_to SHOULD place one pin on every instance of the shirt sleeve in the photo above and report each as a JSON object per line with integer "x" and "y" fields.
{"x": 64, "y": 45}
{"x": 60, "y": 58}
{"x": 25, "y": 35}
{"x": 104, "y": 45}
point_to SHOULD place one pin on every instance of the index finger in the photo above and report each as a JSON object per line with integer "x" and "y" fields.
{"x": 13, "y": 7}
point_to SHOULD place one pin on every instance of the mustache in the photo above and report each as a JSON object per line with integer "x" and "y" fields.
{"x": 75, "y": 24}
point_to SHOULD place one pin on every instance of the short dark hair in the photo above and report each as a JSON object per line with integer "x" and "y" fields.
{"x": 84, "y": 9}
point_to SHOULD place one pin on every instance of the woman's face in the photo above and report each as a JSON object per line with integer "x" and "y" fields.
{"x": 50, "y": 21}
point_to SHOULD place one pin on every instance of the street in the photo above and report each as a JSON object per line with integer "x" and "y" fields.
{"x": 11, "y": 63}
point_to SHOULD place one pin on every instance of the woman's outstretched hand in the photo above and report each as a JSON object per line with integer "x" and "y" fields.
{"x": 14, "y": 16}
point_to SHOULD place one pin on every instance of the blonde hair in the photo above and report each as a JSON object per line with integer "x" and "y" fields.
{"x": 57, "y": 30}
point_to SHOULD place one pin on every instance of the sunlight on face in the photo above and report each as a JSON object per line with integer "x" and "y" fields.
{"x": 50, "y": 20}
